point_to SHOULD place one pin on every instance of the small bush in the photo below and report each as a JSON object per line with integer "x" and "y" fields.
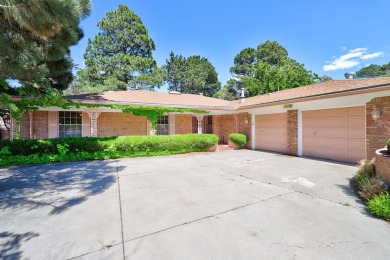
{"x": 371, "y": 187}
{"x": 380, "y": 205}
{"x": 239, "y": 139}
{"x": 367, "y": 183}
{"x": 38, "y": 151}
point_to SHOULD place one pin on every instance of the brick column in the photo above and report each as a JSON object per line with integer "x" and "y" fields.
{"x": 93, "y": 116}
{"x": 200, "y": 120}
{"x": 292, "y": 132}
{"x": 376, "y": 132}
{"x": 245, "y": 127}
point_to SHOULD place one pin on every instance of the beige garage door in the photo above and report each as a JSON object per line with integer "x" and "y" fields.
{"x": 271, "y": 132}
{"x": 336, "y": 134}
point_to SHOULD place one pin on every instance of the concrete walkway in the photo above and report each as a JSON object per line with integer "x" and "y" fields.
{"x": 224, "y": 205}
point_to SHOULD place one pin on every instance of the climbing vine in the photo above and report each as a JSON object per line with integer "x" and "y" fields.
{"x": 54, "y": 98}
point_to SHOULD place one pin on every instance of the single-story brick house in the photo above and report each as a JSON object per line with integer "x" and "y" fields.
{"x": 330, "y": 120}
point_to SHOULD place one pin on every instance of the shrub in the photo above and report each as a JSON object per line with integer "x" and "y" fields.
{"x": 369, "y": 188}
{"x": 367, "y": 183}
{"x": 239, "y": 139}
{"x": 380, "y": 205}
{"x": 36, "y": 151}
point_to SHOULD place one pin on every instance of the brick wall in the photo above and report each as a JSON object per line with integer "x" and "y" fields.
{"x": 245, "y": 127}
{"x": 223, "y": 126}
{"x": 120, "y": 124}
{"x": 183, "y": 124}
{"x": 292, "y": 132}
{"x": 376, "y": 135}
{"x": 382, "y": 164}
{"x": 25, "y": 127}
{"x": 40, "y": 124}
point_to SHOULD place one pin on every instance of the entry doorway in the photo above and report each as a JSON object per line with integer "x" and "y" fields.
{"x": 207, "y": 125}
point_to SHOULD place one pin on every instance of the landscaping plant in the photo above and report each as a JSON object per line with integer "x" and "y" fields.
{"x": 238, "y": 139}
{"x": 380, "y": 205}
{"x": 37, "y": 151}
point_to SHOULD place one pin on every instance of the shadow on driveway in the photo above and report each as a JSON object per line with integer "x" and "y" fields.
{"x": 59, "y": 186}
{"x": 10, "y": 244}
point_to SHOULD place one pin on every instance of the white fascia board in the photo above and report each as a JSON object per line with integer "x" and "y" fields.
{"x": 328, "y": 103}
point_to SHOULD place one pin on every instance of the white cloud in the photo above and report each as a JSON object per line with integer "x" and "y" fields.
{"x": 372, "y": 55}
{"x": 350, "y": 59}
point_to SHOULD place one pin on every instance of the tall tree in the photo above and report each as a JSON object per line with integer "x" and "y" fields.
{"x": 121, "y": 54}
{"x": 268, "y": 69}
{"x": 373, "y": 71}
{"x": 35, "y": 37}
{"x": 192, "y": 75}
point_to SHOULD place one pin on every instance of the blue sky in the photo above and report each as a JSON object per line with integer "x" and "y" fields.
{"x": 329, "y": 37}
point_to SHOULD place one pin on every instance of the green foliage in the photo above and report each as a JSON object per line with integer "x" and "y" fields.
{"x": 120, "y": 56}
{"x": 238, "y": 139}
{"x": 379, "y": 205}
{"x": 368, "y": 188}
{"x": 36, "y": 151}
{"x": 373, "y": 71}
{"x": 367, "y": 183}
{"x": 388, "y": 142}
{"x": 192, "y": 75}
{"x": 35, "y": 37}
{"x": 228, "y": 92}
{"x": 269, "y": 69}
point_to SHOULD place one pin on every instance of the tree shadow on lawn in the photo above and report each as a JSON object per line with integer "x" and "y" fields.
{"x": 10, "y": 244}
{"x": 58, "y": 186}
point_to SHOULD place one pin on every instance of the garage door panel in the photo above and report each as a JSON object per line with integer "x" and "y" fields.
{"x": 331, "y": 142}
{"x": 306, "y": 114}
{"x": 354, "y": 155}
{"x": 309, "y": 131}
{"x": 271, "y": 132}
{"x": 309, "y": 141}
{"x": 331, "y": 121}
{"x": 333, "y": 154}
{"x": 354, "y": 132}
{"x": 331, "y": 132}
{"x": 335, "y": 112}
{"x": 339, "y": 134}
{"x": 356, "y": 143}
{"x": 354, "y": 111}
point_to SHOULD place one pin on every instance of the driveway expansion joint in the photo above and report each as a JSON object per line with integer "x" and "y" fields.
{"x": 120, "y": 211}
{"x": 209, "y": 216}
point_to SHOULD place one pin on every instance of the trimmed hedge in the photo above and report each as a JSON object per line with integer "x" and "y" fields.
{"x": 35, "y": 151}
{"x": 238, "y": 139}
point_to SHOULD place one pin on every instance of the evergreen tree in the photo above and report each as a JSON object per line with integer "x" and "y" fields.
{"x": 192, "y": 75}
{"x": 121, "y": 54}
{"x": 35, "y": 37}
{"x": 268, "y": 69}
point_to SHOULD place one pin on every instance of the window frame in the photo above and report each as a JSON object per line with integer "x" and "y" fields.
{"x": 71, "y": 122}
{"x": 162, "y": 127}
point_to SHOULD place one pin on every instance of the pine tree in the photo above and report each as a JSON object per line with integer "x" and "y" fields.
{"x": 121, "y": 54}
{"x": 35, "y": 37}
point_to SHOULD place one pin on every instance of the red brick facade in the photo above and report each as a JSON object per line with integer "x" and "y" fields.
{"x": 292, "y": 132}
{"x": 120, "y": 124}
{"x": 382, "y": 164}
{"x": 376, "y": 134}
{"x": 245, "y": 127}
{"x": 223, "y": 126}
{"x": 183, "y": 124}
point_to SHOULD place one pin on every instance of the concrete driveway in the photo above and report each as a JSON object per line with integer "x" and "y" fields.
{"x": 224, "y": 205}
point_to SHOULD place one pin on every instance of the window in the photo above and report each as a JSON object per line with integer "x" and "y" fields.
{"x": 162, "y": 126}
{"x": 69, "y": 123}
